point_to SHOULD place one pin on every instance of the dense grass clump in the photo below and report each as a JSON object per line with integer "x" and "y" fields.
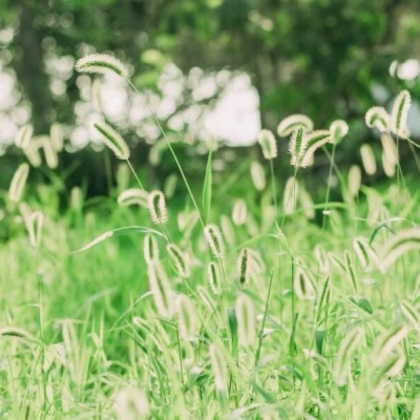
{"x": 234, "y": 305}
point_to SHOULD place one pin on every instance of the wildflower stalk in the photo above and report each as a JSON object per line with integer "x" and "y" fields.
{"x": 329, "y": 182}
{"x": 273, "y": 185}
{"x": 264, "y": 319}
{"x": 135, "y": 174}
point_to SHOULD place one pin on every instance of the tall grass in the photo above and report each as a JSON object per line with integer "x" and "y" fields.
{"x": 241, "y": 308}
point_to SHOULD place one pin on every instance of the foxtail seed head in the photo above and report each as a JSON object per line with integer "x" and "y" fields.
{"x": 133, "y": 196}
{"x": 18, "y": 183}
{"x": 215, "y": 241}
{"x": 368, "y": 159}
{"x": 35, "y": 228}
{"x": 17, "y": 332}
{"x": 388, "y": 341}
{"x": 258, "y": 175}
{"x": 338, "y": 129}
{"x": 293, "y": 122}
{"x": 303, "y": 285}
{"x": 354, "y": 180}
{"x": 290, "y": 195}
{"x": 365, "y": 253}
{"x": 390, "y": 149}
{"x": 33, "y": 155}
{"x": 161, "y": 289}
{"x": 51, "y": 157}
{"x": 131, "y": 404}
{"x": 268, "y": 144}
{"x": 56, "y": 137}
{"x": 297, "y": 146}
{"x": 314, "y": 141}
{"x": 101, "y": 63}
{"x": 113, "y": 140}
{"x": 345, "y": 355}
{"x": 245, "y": 315}
{"x": 219, "y": 369}
{"x": 239, "y": 212}
{"x": 179, "y": 260}
{"x": 150, "y": 249}
{"x": 378, "y": 117}
{"x": 157, "y": 207}
{"x": 215, "y": 277}
{"x": 23, "y": 136}
{"x": 244, "y": 266}
{"x": 399, "y": 114}
{"x": 187, "y": 318}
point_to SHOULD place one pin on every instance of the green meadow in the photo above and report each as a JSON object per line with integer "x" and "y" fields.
{"x": 241, "y": 294}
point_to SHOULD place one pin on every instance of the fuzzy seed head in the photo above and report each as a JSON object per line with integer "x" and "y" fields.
{"x": 338, "y": 129}
{"x": 245, "y": 315}
{"x": 18, "y": 183}
{"x": 303, "y": 285}
{"x": 35, "y": 228}
{"x": 388, "y": 342}
{"x": 239, "y": 213}
{"x": 219, "y": 369}
{"x": 293, "y": 122}
{"x": 133, "y": 197}
{"x": 297, "y": 146}
{"x": 399, "y": 114}
{"x": 24, "y": 136}
{"x": 368, "y": 159}
{"x": 179, "y": 260}
{"x": 322, "y": 258}
{"x": 398, "y": 244}
{"x": 290, "y": 195}
{"x": 161, "y": 289}
{"x": 377, "y": 117}
{"x": 56, "y": 136}
{"x": 187, "y": 318}
{"x": 258, "y": 175}
{"x": 51, "y": 157}
{"x": 32, "y": 153}
{"x": 354, "y": 180}
{"x": 345, "y": 355}
{"x": 113, "y": 140}
{"x": 389, "y": 153}
{"x": 131, "y": 404}
{"x": 365, "y": 253}
{"x": 101, "y": 63}
{"x": 215, "y": 240}
{"x": 215, "y": 278}
{"x": 157, "y": 207}
{"x": 314, "y": 141}
{"x": 150, "y": 249}
{"x": 268, "y": 144}
{"x": 244, "y": 266}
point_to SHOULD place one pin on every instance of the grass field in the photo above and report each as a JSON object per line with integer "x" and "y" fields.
{"x": 254, "y": 303}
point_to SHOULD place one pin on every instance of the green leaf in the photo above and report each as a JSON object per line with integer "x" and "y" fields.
{"x": 319, "y": 341}
{"x": 292, "y": 342}
{"x": 207, "y": 186}
{"x": 114, "y": 232}
{"x": 233, "y": 327}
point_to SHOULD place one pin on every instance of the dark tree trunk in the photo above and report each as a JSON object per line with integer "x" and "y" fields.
{"x": 30, "y": 70}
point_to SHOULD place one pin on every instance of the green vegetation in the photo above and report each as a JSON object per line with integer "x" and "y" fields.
{"x": 250, "y": 299}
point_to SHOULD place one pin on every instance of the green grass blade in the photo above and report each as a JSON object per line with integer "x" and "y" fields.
{"x": 208, "y": 180}
{"x": 114, "y": 232}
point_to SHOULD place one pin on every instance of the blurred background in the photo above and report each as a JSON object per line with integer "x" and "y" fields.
{"x": 209, "y": 69}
